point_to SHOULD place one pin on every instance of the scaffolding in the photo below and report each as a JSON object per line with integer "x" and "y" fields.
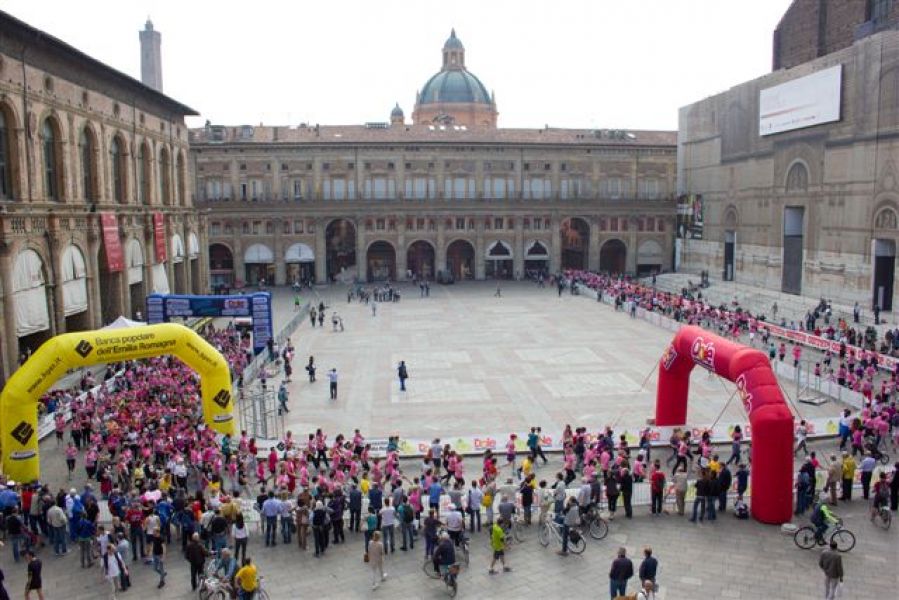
{"x": 259, "y": 414}
{"x": 808, "y": 385}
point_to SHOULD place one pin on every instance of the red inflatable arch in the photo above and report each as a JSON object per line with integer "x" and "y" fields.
{"x": 770, "y": 420}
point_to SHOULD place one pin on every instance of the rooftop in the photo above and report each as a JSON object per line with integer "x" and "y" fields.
{"x": 349, "y": 134}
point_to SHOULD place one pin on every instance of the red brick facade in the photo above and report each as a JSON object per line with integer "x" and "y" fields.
{"x": 813, "y": 28}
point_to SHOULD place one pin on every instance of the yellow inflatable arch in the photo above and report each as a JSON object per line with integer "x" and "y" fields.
{"x": 18, "y": 401}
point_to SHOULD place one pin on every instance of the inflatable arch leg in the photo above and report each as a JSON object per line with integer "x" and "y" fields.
{"x": 770, "y": 420}
{"x": 18, "y": 401}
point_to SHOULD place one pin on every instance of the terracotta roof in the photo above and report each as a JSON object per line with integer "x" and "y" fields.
{"x": 384, "y": 133}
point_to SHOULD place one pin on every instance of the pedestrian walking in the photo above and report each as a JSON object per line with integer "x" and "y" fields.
{"x": 648, "y": 568}
{"x": 848, "y": 467}
{"x": 622, "y": 570}
{"x": 867, "y": 468}
{"x": 310, "y": 369}
{"x": 403, "y": 373}
{"x": 832, "y": 564}
{"x": 196, "y": 555}
{"x": 282, "y": 399}
{"x": 33, "y": 581}
{"x": 158, "y": 553}
{"x": 375, "y": 556}
{"x": 680, "y": 489}
{"x": 332, "y": 379}
{"x": 647, "y": 592}
{"x": 498, "y": 544}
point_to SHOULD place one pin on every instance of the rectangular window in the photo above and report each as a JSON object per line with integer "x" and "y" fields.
{"x": 338, "y": 189}
{"x": 298, "y": 227}
{"x": 526, "y": 224}
{"x": 285, "y": 229}
{"x": 649, "y": 188}
{"x": 243, "y": 191}
{"x": 215, "y": 228}
{"x": 498, "y": 223}
{"x": 297, "y": 189}
{"x": 460, "y": 223}
{"x": 538, "y": 224}
{"x": 380, "y": 224}
{"x": 613, "y": 224}
{"x": 285, "y": 190}
{"x": 420, "y": 224}
{"x": 246, "y": 227}
{"x": 650, "y": 224}
{"x": 257, "y": 227}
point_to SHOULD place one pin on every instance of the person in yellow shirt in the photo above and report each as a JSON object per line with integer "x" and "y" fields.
{"x": 246, "y": 580}
{"x": 527, "y": 467}
{"x": 848, "y": 476}
{"x": 715, "y": 464}
{"x": 365, "y": 484}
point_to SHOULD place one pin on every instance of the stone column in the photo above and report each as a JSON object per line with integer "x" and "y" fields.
{"x": 593, "y": 246}
{"x": 440, "y": 253}
{"x": 480, "y": 266}
{"x": 401, "y": 264}
{"x": 58, "y": 310}
{"x": 280, "y": 265}
{"x": 94, "y": 301}
{"x": 321, "y": 254}
{"x": 361, "y": 262}
{"x": 10, "y": 341}
{"x": 518, "y": 251}
{"x": 555, "y": 257}
{"x": 631, "y": 237}
{"x": 240, "y": 271}
{"x": 188, "y": 260}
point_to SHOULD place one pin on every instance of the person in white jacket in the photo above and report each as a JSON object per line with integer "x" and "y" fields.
{"x": 647, "y": 593}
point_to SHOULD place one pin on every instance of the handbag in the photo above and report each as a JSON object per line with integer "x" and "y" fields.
{"x": 365, "y": 558}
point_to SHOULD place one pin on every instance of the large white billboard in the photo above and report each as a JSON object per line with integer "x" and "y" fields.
{"x": 804, "y": 102}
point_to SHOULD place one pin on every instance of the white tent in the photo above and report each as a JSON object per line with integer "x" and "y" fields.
{"x": 123, "y": 323}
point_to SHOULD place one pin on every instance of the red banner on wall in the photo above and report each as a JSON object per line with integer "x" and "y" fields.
{"x": 159, "y": 236}
{"x": 115, "y": 261}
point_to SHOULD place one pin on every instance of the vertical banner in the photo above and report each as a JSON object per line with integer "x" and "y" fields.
{"x": 115, "y": 259}
{"x": 159, "y": 236}
{"x": 689, "y": 217}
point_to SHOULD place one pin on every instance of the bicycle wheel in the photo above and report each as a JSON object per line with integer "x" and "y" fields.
{"x": 518, "y": 532}
{"x": 430, "y": 571}
{"x": 805, "y": 538}
{"x": 845, "y": 540}
{"x": 886, "y": 518}
{"x": 464, "y": 550}
{"x": 599, "y": 528}
{"x": 577, "y": 547}
{"x": 543, "y": 536}
{"x": 221, "y": 595}
{"x": 452, "y": 587}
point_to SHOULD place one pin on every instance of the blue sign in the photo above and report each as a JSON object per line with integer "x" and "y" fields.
{"x": 258, "y": 306}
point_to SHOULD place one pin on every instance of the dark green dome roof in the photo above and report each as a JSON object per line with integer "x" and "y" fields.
{"x": 454, "y": 85}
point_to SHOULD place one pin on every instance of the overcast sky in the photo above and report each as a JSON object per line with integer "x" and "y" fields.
{"x": 567, "y": 63}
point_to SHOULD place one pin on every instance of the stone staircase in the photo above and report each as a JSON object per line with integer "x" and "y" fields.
{"x": 760, "y": 301}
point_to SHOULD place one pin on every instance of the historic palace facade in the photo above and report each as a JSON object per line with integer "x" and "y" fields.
{"x": 450, "y": 194}
{"x": 95, "y": 193}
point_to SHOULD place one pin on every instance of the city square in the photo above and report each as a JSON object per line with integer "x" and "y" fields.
{"x": 632, "y": 311}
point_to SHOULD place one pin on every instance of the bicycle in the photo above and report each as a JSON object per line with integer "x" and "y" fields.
{"x": 882, "y": 517}
{"x": 553, "y": 531}
{"x": 515, "y": 533}
{"x": 596, "y": 525}
{"x": 449, "y": 578}
{"x": 805, "y": 537}
{"x": 261, "y": 594}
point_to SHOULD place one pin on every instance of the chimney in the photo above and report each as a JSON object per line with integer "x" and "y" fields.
{"x": 151, "y": 57}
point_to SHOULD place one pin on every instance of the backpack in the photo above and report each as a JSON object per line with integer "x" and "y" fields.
{"x": 817, "y": 515}
{"x": 487, "y": 500}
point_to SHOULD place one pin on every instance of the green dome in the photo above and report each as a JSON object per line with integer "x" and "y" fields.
{"x": 456, "y": 85}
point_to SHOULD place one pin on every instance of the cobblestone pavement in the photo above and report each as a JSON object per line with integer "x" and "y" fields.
{"x": 481, "y": 365}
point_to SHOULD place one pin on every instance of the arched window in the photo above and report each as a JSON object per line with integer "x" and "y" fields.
{"x": 6, "y": 157}
{"x": 165, "y": 177}
{"x": 51, "y": 161}
{"x": 117, "y": 162}
{"x": 797, "y": 178}
{"x": 143, "y": 171}
{"x": 88, "y": 181}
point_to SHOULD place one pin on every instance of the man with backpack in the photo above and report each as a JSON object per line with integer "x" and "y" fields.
{"x": 822, "y": 518}
{"x": 407, "y": 517}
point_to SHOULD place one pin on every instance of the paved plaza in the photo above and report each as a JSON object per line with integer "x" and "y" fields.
{"x": 482, "y": 365}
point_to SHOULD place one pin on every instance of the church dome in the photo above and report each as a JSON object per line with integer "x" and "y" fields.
{"x": 456, "y": 85}
{"x": 397, "y": 111}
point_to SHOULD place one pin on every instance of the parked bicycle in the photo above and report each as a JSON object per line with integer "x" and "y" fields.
{"x": 845, "y": 539}
{"x": 553, "y": 531}
{"x": 595, "y": 524}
